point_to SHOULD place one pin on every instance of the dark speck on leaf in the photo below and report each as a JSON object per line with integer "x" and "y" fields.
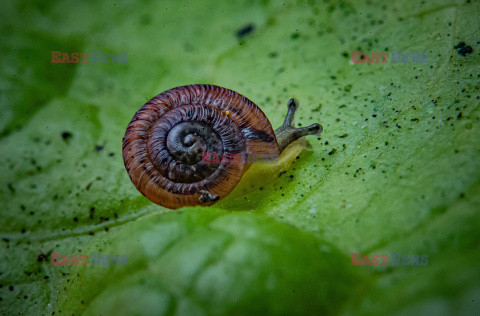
{"x": 145, "y": 19}
{"x": 66, "y": 136}
{"x": 43, "y": 256}
{"x": 463, "y": 49}
{"x": 98, "y": 148}
{"x": 244, "y": 31}
{"x": 11, "y": 287}
{"x": 332, "y": 152}
{"x": 11, "y": 188}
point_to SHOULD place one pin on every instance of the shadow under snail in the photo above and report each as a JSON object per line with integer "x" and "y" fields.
{"x": 164, "y": 142}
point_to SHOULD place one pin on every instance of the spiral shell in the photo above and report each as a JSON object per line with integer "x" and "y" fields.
{"x": 164, "y": 142}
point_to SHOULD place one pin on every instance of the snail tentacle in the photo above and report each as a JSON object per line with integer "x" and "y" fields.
{"x": 288, "y": 133}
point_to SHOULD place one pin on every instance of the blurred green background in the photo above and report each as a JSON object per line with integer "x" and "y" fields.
{"x": 395, "y": 171}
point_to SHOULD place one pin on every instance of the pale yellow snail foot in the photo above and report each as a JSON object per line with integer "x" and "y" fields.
{"x": 262, "y": 175}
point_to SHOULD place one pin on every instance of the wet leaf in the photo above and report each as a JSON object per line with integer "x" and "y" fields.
{"x": 395, "y": 171}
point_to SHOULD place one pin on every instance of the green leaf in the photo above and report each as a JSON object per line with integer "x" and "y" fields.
{"x": 395, "y": 171}
{"x": 213, "y": 262}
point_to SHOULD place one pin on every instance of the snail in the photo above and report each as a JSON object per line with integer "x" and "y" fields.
{"x": 169, "y": 135}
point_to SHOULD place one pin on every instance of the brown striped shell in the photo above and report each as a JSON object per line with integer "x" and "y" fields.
{"x": 163, "y": 143}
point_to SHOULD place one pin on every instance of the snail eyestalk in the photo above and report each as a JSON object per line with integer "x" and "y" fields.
{"x": 287, "y": 133}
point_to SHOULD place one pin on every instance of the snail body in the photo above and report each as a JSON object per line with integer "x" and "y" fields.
{"x": 167, "y": 138}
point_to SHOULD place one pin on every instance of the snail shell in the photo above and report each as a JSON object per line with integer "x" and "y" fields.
{"x": 164, "y": 142}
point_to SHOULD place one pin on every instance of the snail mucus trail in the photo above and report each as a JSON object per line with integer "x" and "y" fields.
{"x": 164, "y": 143}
